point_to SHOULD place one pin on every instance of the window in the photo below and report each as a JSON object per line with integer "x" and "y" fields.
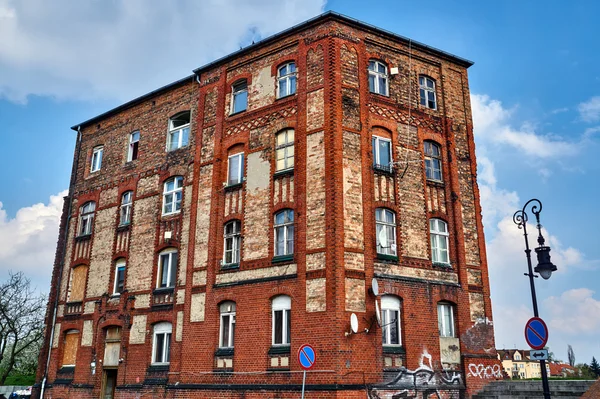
{"x": 132, "y": 151}
{"x": 236, "y": 169}
{"x": 125, "y": 210}
{"x": 286, "y": 80}
{"x": 86, "y": 218}
{"x": 161, "y": 343}
{"x": 97, "y": 159}
{"x": 233, "y": 240}
{"x": 385, "y": 224}
{"x": 284, "y": 232}
{"x": 119, "y": 277}
{"x": 382, "y": 153}
{"x": 439, "y": 241}
{"x": 378, "y": 78}
{"x": 390, "y": 320}
{"x": 239, "y": 96}
{"x": 172, "y": 195}
{"x": 284, "y": 150}
{"x": 427, "y": 92}
{"x": 70, "y": 348}
{"x": 227, "y": 328}
{"x": 282, "y": 324}
{"x": 446, "y": 319}
{"x": 179, "y": 131}
{"x": 78, "y": 282}
{"x": 433, "y": 161}
{"x": 112, "y": 347}
{"x": 167, "y": 269}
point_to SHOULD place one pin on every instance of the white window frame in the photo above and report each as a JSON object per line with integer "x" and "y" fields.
{"x": 86, "y": 218}
{"x": 284, "y": 149}
{"x": 171, "y": 269}
{"x": 179, "y": 130}
{"x": 437, "y": 237}
{"x": 238, "y": 88}
{"x": 240, "y": 169}
{"x": 382, "y": 223}
{"x": 120, "y": 264}
{"x": 236, "y": 240}
{"x": 134, "y": 146}
{"x": 445, "y": 330}
{"x": 425, "y": 91}
{"x": 377, "y": 75}
{"x": 97, "y": 154}
{"x": 286, "y": 227}
{"x": 389, "y": 305}
{"x": 288, "y": 80}
{"x": 227, "y": 309}
{"x": 377, "y": 154}
{"x": 125, "y": 208}
{"x": 176, "y": 195}
{"x": 283, "y": 304}
{"x": 433, "y": 162}
{"x": 166, "y": 330}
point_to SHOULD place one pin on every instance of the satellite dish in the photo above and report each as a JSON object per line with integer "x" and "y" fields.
{"x": 382, "y": 238}
{"x": 377, "y": 313}
{"x": 375, "y": 287}
{"x": 354, "y": 323}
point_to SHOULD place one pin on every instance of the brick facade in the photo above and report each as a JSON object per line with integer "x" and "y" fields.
{"x": 333, "y": 191}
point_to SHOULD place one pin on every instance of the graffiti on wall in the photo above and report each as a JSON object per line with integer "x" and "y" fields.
{"x": 483, "y": 371}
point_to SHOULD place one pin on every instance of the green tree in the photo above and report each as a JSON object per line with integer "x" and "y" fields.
{"x": 595, "y": 367}
{"x": 584, "y": 371}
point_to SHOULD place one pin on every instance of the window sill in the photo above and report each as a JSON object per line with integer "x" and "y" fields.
{"x": 437, "y": 183}
{"x": 230, "y": 266}
{"x": 441, "y": 265}
{"x": 287, "y": 96}
{"x": 232, "y": 187}
{"x": 124, "y": 227}
{"x": 388, "y": 258}
{"x": 66, "y": 370}
{"x": 384, "y": 170}
{"x": 282, "y": 258}
{"x": 83, "y": 237}
{"x": 236, "y": 113}
{"x": 285, "y": 172}
{"x": 158, "y": 368}
{"x": 396, "y": 350}
{"x": 224, "y": 352}
{"x": 280, "y": 350}
{"x": 172, "y": 150}
{"x": 163, "y": 290}
{"x": 379, "y": 94}
{"x": 171, "y": 214}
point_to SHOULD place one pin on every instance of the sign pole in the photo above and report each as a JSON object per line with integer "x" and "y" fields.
{"x": 303, "y": 382}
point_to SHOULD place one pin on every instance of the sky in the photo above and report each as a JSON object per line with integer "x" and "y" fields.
{"x": 535, "y": 93}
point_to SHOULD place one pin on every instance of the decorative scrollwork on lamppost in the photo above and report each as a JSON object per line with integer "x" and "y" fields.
{"x": 544, "y": 267}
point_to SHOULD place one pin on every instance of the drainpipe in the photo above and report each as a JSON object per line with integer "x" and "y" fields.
{"x": 62, "y": 262}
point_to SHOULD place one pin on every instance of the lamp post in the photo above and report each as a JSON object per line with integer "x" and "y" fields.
{"x": 544, "y": 266}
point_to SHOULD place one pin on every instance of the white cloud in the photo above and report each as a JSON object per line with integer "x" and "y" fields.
{"x": 492, "y": 124}
{"x": 120, "y": 49}
{"x": 28, "y": 241}
{"x": 589, "y": 111}
{"x": 574, "y": 312}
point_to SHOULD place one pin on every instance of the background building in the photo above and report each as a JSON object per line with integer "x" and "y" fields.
{"x": 215, "y": 225}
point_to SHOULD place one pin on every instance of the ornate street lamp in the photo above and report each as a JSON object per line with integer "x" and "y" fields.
{"x": 545, "y": 267}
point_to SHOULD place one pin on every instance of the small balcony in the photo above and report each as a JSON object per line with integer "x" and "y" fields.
{"x": 73, "y": 308}
{"x": 162, "y": 296}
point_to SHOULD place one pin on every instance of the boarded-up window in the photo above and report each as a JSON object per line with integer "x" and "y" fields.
{"x": 70, "y": 349}
{"x": 78, "y": 277}
{"x": 112, "y": 348}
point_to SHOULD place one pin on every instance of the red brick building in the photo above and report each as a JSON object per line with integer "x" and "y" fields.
{"x": 215, "y": 225}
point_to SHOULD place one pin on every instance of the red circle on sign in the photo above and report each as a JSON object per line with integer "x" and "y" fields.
{"x": 313, "y": 351}
{"x": 543, "y": 339}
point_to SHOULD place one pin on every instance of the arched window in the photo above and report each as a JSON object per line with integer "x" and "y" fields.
{"x": 179, "y": 131}
{"x": 86, "y": 218}
{"x": 378, "y": 77}
{"x": 119, "y": 285}
{"x": 161, "y": 343}
{"x": 172, "y": 194}
{"x": 385, "y": 224}
{"x": 433, "y": 160}
{"x": 239, "y": 96}
{"x": 284, "y": 232}
{"x": 438, "y": 230}
{"x": 132, "y": 150}
{"x": 97, "y": 159}
{"x": 446, "y": 319}
{"x": 71, "y": 344}
{"x": 227, "y": 327}
{"x": 286, "y": 79}
{"x": 232, "y": 244}
{"x": 284, "y": 150}
{"x": 427, "y": 92}
{"x": 167, "y": 269}
{"x": 282, "y": 324}
{"x": 125, "y": 209}
{"x": 390, "y": 320}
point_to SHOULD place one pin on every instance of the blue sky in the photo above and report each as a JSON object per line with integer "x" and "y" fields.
{"x": 535, "y": 94}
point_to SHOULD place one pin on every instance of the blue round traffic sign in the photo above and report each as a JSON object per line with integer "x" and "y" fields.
{"x": 306, "y": 357}
{"x": 536, "y": 333}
